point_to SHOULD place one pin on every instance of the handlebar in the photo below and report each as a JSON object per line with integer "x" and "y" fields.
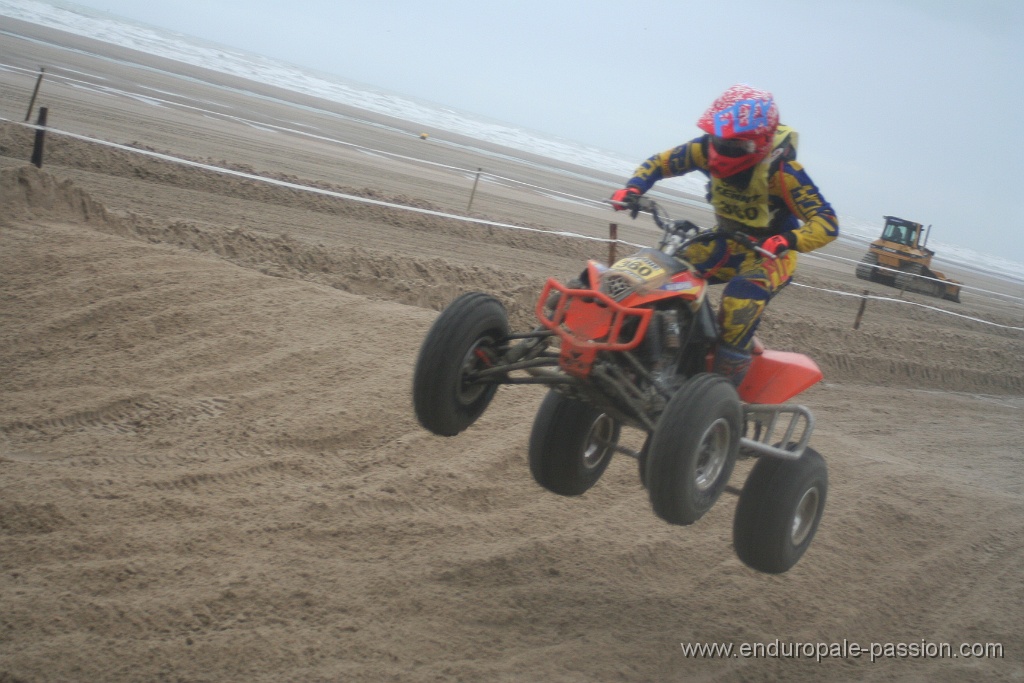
{"x": 684, "y": 229}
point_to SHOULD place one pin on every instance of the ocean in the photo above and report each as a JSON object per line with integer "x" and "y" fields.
{"x": 153, "y": 40}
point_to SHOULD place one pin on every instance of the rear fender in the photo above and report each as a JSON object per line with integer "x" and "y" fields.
{"x": 777, "y": 376}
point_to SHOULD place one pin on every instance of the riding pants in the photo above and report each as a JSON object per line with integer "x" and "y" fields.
{"x": 750, "y": 279}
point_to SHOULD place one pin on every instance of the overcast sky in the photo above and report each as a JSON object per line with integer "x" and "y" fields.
{"x": 904, "y": 107}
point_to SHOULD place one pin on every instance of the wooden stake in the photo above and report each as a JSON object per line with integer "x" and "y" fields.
{"x": 473, "y": 193}
{"x": 860, "y": 313}
{"x": 613, "y": 235}
{"x": 37, "y": 148}
{"x": 32, "y": 102}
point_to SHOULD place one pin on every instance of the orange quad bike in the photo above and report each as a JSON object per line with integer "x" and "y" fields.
{"x": 631, "y": 346}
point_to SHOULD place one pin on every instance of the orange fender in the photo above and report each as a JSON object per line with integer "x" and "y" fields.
{"x": 777, "y": 376}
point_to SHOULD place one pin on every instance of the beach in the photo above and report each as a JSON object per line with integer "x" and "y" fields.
{"x": 210, "y": 469}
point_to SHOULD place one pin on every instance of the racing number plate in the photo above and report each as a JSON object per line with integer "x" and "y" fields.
{"x": 638, "y": 266}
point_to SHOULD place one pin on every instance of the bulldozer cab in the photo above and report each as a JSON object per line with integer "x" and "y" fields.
{"x": 902, "y": 232}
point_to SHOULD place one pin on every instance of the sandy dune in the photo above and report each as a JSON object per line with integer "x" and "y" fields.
{"x": 210, "y": 469}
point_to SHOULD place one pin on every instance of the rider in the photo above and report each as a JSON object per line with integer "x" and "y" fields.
{"x": 757, "y": 188}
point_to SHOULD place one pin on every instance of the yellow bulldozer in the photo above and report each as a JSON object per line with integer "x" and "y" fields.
{"x": 901, "y": 259}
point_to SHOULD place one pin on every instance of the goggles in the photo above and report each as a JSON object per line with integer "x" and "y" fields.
{"x": 733, "y": 147}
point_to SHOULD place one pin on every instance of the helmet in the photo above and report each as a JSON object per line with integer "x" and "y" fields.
{"x": 741, "y": 125}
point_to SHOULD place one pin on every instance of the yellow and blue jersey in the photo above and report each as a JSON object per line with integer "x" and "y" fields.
{"x": 778, "y": 196}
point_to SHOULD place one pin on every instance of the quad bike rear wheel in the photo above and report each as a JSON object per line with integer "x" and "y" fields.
{"x": 465, "y": 338}
{"x": 693, "y": 449}
{"x": 779, "y": 510}
{"x": 571, "y": 444}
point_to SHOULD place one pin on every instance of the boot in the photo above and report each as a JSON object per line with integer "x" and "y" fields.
{"x": 732, "y": 363}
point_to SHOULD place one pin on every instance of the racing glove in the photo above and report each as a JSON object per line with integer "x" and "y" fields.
{"x": 625, "y": 198}
{"x": 777, "y": 244}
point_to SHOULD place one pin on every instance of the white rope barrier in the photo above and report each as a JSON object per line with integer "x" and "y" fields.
{"x": 303, "y": 133}
{"x": 907, "y": 303}
{"x": 315, "y": 190}
{"x": 440, "y": 214}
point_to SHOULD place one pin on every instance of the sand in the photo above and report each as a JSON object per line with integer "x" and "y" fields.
{"x": 210, "y": 469}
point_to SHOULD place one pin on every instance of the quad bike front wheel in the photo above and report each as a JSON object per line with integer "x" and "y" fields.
{"x": 779, "y": 510}
{"x": 693, "y": 449}
{"x": 464, "y": 339}
{"x": 571, "y": 444}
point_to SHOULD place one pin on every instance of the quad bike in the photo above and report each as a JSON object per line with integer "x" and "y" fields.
{"x": 630, "y": 346}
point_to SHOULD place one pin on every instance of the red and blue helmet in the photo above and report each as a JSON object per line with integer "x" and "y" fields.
{"x": 741, "y": 126}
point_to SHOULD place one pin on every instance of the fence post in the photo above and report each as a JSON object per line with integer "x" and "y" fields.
{"x": 613, "y": 235}
{"x": 473, "y": 193}
{"x": 37, "y": 148}
{"x": 860, "y": 312}
{"x": 32, "y": 102}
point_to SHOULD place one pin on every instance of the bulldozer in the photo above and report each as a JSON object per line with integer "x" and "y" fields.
{"x": 900, "y": 259}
